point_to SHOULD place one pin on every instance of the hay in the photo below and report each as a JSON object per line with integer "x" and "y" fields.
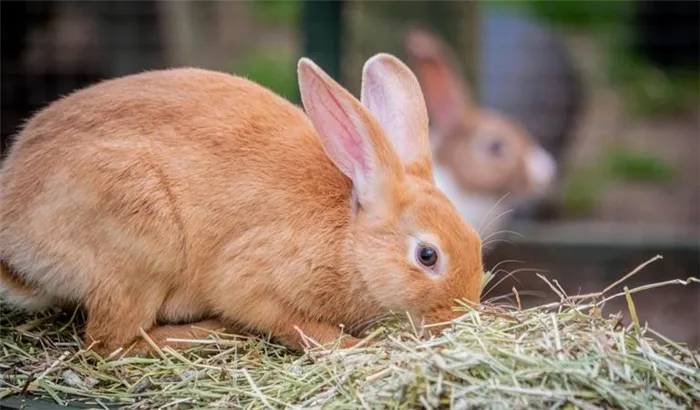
{"x": 564, "y": 354}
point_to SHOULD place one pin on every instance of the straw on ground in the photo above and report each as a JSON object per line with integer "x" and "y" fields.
{"x": 565, "y": 354}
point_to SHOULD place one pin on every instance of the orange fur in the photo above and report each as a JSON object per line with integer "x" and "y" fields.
{"x": 14, "y": 284}
{"x": 183, "y": 195}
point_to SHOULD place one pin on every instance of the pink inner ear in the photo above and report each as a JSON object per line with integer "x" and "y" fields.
{"x": 348, "y": 135}
{"x": 334, "y": 121}
{"x": 390, "y": 100}
{"x": 376, "y": 99}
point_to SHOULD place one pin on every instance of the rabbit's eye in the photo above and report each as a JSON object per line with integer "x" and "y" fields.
{"x": 427, "y": 255}
{"x": 495, "y": 148}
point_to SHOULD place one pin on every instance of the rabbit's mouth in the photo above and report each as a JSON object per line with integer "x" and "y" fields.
{"x": 437, "y": 321}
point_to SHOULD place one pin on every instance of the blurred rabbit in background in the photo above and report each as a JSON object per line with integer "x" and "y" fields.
{"x": 497, "y": 158}
{"x": 527, "y": 73}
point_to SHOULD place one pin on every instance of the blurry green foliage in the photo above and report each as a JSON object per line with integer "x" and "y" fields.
{"x": 646, "y": 90}
{"x": 632, "y": 166}
{"x": 579, "y": 14}
{"x": 270, "y": 69}
{"x": 277, "y": 11}
{"x": 585, "y": 186}
{"x": 582, "y": 190}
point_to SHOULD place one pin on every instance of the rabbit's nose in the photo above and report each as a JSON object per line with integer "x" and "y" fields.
{"x": 541, "y": 168}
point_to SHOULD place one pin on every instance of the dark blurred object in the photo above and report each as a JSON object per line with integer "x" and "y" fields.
{"x": 18, "y": 17}
{"x": 51, "y": 48}
{"x": 322, "y": 34}
{"x": 46, "y": 53}
{"x": 527, "y": 73}
{"x": 668, "y": 32}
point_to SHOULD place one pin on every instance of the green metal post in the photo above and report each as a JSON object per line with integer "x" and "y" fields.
{"x": 322, "y": 34}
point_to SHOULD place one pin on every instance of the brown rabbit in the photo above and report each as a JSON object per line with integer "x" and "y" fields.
{"x": 165, "y": 198}
{"x": 484, "y": 161}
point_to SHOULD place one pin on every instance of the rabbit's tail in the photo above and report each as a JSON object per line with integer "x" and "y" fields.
{"x": 15, "y": 292}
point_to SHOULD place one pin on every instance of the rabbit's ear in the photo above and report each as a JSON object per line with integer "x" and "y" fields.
{"x": 351, "y": 137}
{"x": 446, "y": 94}
{"x": 392, "y": 93}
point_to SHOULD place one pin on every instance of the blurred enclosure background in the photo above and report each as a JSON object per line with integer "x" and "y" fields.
{"x": 618, "y": 107}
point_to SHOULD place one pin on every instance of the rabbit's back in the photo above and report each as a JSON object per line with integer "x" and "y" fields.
{"x": 209, "y": 136}
{"x": 157, "y": 171}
